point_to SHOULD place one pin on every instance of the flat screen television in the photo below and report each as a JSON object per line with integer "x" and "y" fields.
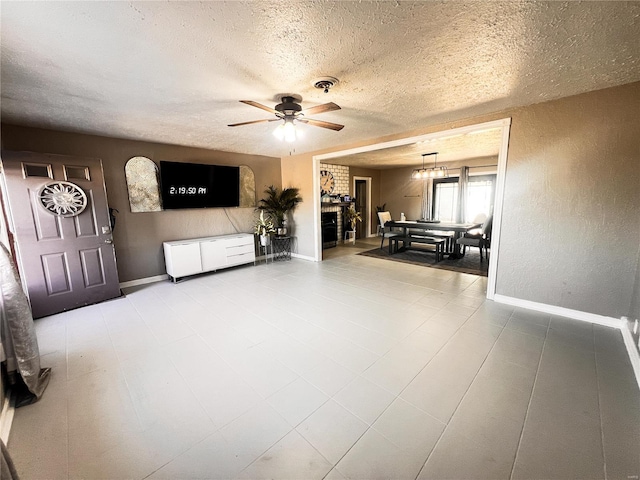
{"x": 195, "y": 185}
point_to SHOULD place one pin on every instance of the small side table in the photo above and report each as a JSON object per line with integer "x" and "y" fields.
{"x": 281, "y": 248}
{"x": 265, "y": 250}
{"x": 350, "y": 236}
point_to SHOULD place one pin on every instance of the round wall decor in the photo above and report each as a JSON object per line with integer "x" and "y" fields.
{"x": 327, "y": 182}
{"x": 64, "y": 199}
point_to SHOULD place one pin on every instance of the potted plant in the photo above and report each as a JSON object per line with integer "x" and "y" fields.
{"x": 278, "y": 203}
{"x": 352, "y": 216}
{"x": 264, "y": 228}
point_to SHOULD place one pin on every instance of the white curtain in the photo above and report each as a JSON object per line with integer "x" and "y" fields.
{"x": 463, "y": 190}
{"x": 427, "y": 199}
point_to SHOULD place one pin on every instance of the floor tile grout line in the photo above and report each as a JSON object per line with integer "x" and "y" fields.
{"x": 120, "y": 360}
{"x": 526, "y": 416}
{"x": 397, "y": 397}
{"x": 219, "y": 428}
{"x": 460, "y": 402}
{"x": 595, "y": 361}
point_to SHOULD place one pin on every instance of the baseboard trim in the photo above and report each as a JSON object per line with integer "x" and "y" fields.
{"x": 6, "y": 416}
{"x": 561, "y": 311}
{"x": 617, "y": 323}
{"x": 303, "y": 257}
{"x": 632, "y": 351}
{"x": 144, "y": 281}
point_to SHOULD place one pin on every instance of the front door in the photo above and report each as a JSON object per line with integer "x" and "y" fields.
{"x": 59, "y": 219}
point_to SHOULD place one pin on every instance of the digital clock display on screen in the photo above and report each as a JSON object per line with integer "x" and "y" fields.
{"x": 173, "y": 190}
{"x": 195, "y": 185}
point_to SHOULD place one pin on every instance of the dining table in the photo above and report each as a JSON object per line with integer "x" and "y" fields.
{"x": 426, "y": 225}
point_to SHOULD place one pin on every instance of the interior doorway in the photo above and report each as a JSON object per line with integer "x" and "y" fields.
{"x": 503, "y": 125}
{"x": 362, "y": 191}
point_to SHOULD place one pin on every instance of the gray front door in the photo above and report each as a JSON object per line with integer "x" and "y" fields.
{"x": 58, "y": 215}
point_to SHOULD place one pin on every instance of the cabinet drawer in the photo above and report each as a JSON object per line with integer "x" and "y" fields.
{"x": 239, "y": 249}
{"x": 235, "y": 241}
{"x": 241, "y": 258}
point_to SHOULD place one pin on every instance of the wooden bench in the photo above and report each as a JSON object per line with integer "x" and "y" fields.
{"x": 409, "y": 239}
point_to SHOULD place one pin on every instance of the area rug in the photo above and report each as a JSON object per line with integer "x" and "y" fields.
{"x": 470, "y": 263}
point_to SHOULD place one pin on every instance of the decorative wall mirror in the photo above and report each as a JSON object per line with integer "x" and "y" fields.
{"x": 142, "y": 184}
{"x": 247, "y": 187}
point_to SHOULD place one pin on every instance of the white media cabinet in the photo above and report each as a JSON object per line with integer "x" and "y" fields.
{"x": 199, "y": 255}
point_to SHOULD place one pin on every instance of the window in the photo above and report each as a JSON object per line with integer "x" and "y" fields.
{"x": 445, "y": 201}
{"x": 480, "y": 195}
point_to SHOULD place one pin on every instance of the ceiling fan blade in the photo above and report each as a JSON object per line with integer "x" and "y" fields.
{"x": 249, "y": 123}
{"x": 326, "y": 107}
{"x": 320, "y": 123}
{"x": 258, "y": 105}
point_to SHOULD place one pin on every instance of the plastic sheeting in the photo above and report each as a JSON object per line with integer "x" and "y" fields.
{"x": 18, "y": 332}
{"x": 7, "y": 469}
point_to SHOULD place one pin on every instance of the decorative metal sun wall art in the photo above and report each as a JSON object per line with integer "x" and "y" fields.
{"x": 64, "y": 199}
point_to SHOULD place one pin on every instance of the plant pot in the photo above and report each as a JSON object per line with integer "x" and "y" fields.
{"x": 265, "y": 240}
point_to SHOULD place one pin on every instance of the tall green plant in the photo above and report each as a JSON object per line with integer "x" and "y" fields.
{"x": 279, "y": 202}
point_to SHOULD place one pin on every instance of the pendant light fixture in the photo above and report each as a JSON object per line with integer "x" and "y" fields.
{"x": 432, "y": 172}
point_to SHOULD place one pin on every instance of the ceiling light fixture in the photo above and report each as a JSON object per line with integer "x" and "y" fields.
{"x": 432, "y": 172}
{"x": 286, "y": 131}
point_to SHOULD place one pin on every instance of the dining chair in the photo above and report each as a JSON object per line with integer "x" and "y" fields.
{"x": 482, "y": 240}
{"x": 383, "y": 218}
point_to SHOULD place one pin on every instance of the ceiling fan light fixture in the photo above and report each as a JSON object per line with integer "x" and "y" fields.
{"x": 286, "y": 131}
{"x": 289, "y": 131}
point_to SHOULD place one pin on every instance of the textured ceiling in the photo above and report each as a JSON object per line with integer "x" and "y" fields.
{"x": 173, "y": 72}
{"x": 480, "y": 145}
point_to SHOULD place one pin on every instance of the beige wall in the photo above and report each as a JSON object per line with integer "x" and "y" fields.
{"x": 400, "y": 193}
{"x": 300, "y": 175}
{"x": 138, "y": 237}
{"x": 634, "y": 309}
{"x": 570, "y": 223}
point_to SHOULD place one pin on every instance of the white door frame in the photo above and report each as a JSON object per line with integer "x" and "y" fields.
{"x": 504, "y": 123}
{"x": 353, "y": 189}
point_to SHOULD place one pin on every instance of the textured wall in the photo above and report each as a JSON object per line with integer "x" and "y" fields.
{"x": 401, "y": 193}
{"x": 571, "y": 218}
{"x": 299, "y": 174}
{"x": 634, "y": 310}
{"x": 138, "y": 237}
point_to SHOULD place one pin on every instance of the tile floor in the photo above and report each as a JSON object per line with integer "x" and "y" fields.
{"x": 351, "y": 368}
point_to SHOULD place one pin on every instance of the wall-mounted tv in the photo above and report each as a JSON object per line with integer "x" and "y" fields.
{"x": 195, "y": 185}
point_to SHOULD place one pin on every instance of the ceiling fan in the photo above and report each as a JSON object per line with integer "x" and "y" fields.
{"x": 291, "y": 112}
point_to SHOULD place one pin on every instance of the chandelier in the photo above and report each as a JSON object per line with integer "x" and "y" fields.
{"x": 432, "y": 172}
